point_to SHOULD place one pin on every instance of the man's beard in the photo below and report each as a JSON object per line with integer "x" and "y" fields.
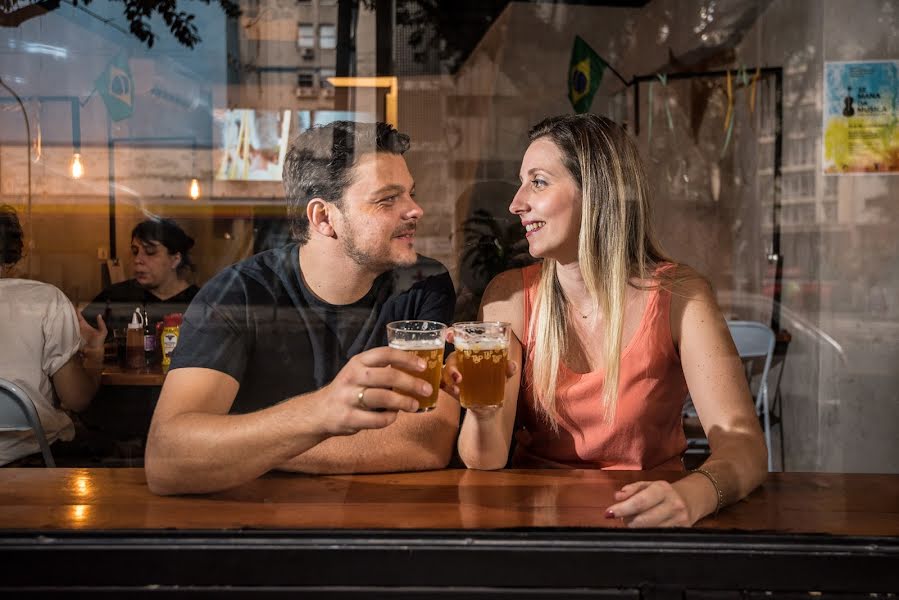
{"x": 379, "y": 264}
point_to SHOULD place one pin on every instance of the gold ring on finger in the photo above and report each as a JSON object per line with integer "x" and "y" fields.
{"x": 361, "y": 399}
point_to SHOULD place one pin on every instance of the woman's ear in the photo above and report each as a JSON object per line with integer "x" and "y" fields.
{"x": 176, "y": 260}
{"x": 319, "y": 213}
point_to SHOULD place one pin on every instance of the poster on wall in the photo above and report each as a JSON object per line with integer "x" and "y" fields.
{"x": 861, "y": 133}
{"x": 251, "y": 144}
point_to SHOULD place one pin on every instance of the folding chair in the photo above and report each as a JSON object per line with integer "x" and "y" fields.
{"x": 17, "y": 413}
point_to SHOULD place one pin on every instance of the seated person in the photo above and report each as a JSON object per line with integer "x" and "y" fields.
{"x": 161, "y": 258}
{"x": 42, "y": 351}
{"x": 282, "y": 361}
{"x": 613, "y": 335}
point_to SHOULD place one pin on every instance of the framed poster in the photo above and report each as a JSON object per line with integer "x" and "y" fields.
{"x": 861, "y": 133}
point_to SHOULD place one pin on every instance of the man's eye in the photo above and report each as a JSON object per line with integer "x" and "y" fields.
{"x": 388, "y": 200}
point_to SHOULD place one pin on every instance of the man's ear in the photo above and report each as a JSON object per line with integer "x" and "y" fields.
{"x": 319, "y": 213}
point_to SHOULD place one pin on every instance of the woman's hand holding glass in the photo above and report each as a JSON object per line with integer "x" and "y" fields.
{"x": 452, "y": 382}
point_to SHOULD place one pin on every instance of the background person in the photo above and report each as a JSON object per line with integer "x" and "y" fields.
{"x": 42, "y": 351}
{"x": 160, "y": 252}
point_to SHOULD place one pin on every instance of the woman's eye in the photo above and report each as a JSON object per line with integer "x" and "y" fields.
{"x": 538, "y": 183}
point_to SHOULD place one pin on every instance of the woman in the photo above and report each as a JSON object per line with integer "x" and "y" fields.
{"x": 42, "y": 351}
{"x": 614, "y": 335}
{"x": 162, "y": 264}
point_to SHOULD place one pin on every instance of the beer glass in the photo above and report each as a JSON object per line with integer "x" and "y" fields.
{"x": 424, "y": 339}
{"x": 482, "y": 349}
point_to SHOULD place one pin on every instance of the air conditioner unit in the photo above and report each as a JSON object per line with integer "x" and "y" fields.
{"x": 308, "y": 53}
{"x": 306, "y": 92}
{"x": 327, "y": 92}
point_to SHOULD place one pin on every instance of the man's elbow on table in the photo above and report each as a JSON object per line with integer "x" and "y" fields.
{"x": 162, "y": 476}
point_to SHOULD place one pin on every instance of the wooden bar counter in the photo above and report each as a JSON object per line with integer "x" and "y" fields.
{"x": 445, "y": 534}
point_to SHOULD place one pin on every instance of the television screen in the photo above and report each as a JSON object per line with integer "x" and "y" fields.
{"x": 251, "y": 144}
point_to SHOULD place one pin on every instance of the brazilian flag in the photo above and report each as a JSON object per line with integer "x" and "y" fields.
{"x": 584, "y": 75}
{"x": 116, "y": 86}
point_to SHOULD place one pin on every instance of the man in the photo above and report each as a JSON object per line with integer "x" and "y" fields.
{"x": 282, "y": 361}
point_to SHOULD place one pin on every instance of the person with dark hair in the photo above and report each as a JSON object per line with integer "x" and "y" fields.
{"x": 160, "y": 251}
{"x": 283, "y": 360}
{"x": 45, "y": 349}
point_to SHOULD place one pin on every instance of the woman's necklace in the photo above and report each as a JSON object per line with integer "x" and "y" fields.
{"x": 578, "y": 311}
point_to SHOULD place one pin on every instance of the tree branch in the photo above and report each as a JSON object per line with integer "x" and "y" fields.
{"x": 13, "y": 18}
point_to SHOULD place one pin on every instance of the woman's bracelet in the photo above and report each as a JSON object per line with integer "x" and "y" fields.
{"x": 717, "y": 488}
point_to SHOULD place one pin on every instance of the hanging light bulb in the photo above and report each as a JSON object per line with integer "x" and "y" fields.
{"x": 77, "y": 167}
{"x": 194, "y": 189}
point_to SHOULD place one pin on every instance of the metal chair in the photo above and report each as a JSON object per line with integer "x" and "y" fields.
{"x": 17, "y": 413}
{"x": 755, "y": 342}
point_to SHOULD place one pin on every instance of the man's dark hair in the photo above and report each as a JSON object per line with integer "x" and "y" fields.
{"x": 320, "y": 160}
{"x": 12, "y": 239}
{"x": 170, "y": 235}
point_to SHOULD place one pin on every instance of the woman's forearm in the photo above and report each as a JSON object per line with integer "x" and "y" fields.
{"x": 482, "y": 442}
{"x": 737, "y": 465}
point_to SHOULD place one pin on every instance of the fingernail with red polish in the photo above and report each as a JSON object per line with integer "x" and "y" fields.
{"x": 610, "y": 514}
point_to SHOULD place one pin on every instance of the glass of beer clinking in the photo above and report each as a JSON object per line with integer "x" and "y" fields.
{"x": 424, "y": 339}
{"x": 482, "y": 349}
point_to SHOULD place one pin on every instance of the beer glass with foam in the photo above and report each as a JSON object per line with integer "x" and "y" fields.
{"x": 425, "y": 339}
{"x": 482, "y": 348}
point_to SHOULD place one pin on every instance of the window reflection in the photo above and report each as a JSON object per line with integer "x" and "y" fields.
{"x": 119, "y": 131}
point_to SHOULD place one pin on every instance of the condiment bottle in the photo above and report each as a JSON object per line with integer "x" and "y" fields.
{"x": 149, "y": 340}
{"x": 171, "y": 329}
{"x": 134, "y": 342}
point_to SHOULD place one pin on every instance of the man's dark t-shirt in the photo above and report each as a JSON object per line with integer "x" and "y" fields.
{"x": 122, "y": 298}
{"x": 259, "y": 323}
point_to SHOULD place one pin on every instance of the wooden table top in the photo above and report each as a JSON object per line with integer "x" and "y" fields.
{"x": 116, "y": 499}
{"x": 113, "y": 374}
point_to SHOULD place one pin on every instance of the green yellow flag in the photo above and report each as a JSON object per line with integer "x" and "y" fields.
{"x": 116, "y": 86}
{"x": 584, "y": 75}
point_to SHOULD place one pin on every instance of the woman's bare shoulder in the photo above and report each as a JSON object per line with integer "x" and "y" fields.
{"x": 686, "y": 284}
{"x": 503, "y": 299}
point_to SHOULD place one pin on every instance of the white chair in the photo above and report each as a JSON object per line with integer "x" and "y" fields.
{"x": 17, "y": 413}
{"x": 755, "y": 342}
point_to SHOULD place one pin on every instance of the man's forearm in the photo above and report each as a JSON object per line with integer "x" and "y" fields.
{"x": 415, "y": 442}
{"x": 198, "y": 453}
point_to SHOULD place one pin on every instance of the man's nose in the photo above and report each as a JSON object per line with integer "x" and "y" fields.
{"x": 415, "y": 211}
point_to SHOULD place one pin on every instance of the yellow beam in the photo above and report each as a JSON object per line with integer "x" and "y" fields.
{"x": 390, "y": 98}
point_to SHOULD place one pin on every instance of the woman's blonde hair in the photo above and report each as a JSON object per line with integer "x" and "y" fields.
{"x": 615, "y": 245}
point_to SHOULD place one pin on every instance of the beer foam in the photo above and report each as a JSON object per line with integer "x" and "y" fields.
{"x": 416, "y": 344}
{"x": 483, "y": 344}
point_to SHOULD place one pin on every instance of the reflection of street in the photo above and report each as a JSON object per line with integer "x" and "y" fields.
{"x": 871, "y": 346}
